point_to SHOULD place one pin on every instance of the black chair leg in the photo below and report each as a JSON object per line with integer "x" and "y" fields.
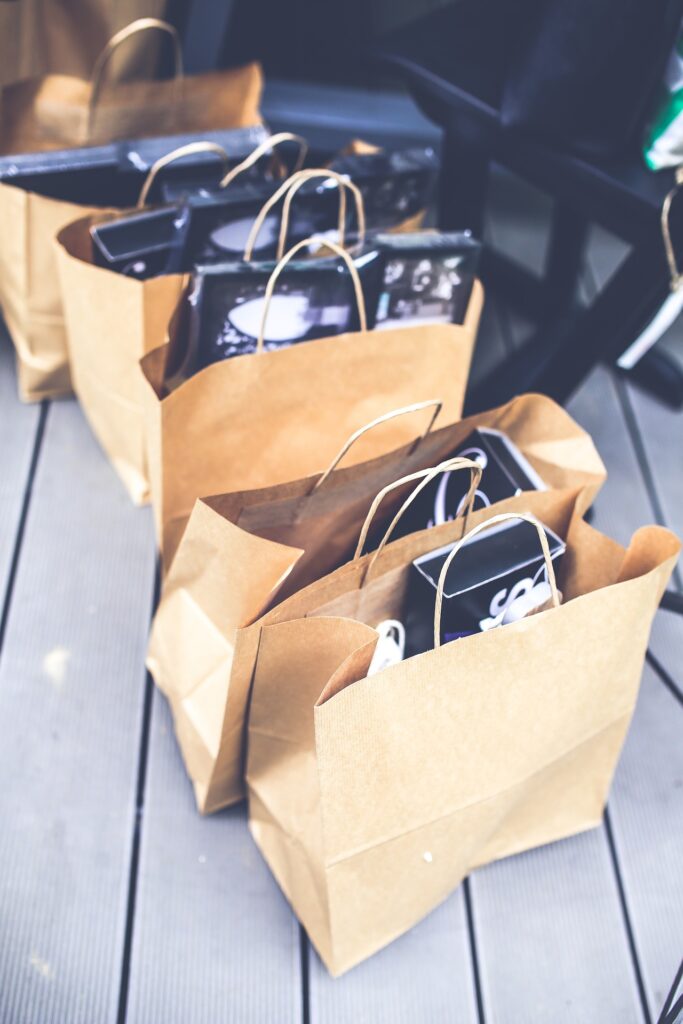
{"x": 672, "y": 602}
{"x": 658, "y": 373}
{"x": 564, "y": 259}
{"x": 463, "y": 185}
{"x": 545, "y": 298}
{"x": 555, "y": 361}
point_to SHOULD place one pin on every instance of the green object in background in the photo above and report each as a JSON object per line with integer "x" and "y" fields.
{"x": 663, "y": 145}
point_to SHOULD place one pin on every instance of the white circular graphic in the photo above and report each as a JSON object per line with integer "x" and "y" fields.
{"x": 287, "y": 317}
{"x": 233, "y": 237}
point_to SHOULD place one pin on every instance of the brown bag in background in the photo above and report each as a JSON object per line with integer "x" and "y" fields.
{"x": 39, "y": 36}
{"x": 371, "y": 798}
{"x": 268, "y": 417}
{"x": 243, "y": 551}
{"x": 29, "y": 286}
{"x": 60, "y": 111}
{"x": 112, "y": 321}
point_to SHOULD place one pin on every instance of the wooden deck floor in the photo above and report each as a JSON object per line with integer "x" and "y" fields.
{"x": 119, "y": 903}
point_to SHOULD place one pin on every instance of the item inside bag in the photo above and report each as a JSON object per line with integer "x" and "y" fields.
{"x": 313, "y": 299}
{"x": 390, "y": 649}
{"x": 505, "y": 473}
{"x": 427, "y": 277}
{"x": 113, "y": 175}
{"x": 204, "y": 223}
{"x": 394, "y": 186}
{"x": 173, "y": 239}
{"x": 487, "y": 580}
{"x": 209, "y": 226}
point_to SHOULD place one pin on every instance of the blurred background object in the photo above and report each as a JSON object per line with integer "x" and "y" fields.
{"x": 41, "y": 36}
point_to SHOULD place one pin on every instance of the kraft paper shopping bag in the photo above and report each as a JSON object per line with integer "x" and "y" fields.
{"x": 372, "y": 796}
{"x": 57, "y": 112}
{"x": 242, "y": 552}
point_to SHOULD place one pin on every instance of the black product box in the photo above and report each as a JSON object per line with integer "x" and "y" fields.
{"x": 312, "y": 299}
{"x": 491, "y": 570}
{"x": 505, "y": 473}
{"x": 427, "y": 277}
{"x": 394, "y": 186}
{"x": 209, "y": 226}
{"x": 272, "y": 166}
{"x": 206, "y": 227}
{"x": 143, "y": 244}
{"x": 113, "y": 174}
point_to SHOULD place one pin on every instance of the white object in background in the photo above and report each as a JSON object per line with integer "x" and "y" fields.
{"x": 667, "y": 313}
{"x": 672, "y": 305}
{"x": 390, "y": 646}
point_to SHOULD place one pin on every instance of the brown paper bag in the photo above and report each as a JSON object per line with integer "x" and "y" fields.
{"x": 268, "y": 417}
{"x": 372, "y": 797}
{"x": 53, "y": 113}
{"x": 272, "y": 541}
{"x": 112, "y": 321}
{"x": 60, "y": 111}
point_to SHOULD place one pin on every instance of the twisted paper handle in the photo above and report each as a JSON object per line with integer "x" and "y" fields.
{"x": 436, "y": 403}
{"x": 425, "y": 476}
{"x": 140, "y": 25}
{"x": 502, "y": 518}
{"x": 337, "y": 249}
{"x": 265, "y": 147}
{"x": 177, "y": 154}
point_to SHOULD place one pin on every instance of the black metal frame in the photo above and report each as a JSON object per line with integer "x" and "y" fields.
{"x": 571, "y": 339}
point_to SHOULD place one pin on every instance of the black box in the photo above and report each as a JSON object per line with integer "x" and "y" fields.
{"x": 144, "y": 244}
{"x": 394, "y": 186}
{"x": 427, "y": 277}
{"x": 505, "y": 473}
{"x": 208, "y": 226}
{"x": 312, "y": 299}
{"x": 491, "y": 570}
{"x": 113, "y": 174}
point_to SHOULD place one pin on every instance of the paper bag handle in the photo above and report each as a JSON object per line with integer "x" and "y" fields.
{"x": 140, "y": 25}
{"x": 435, "y": 403}
{"x": 425, "y": 476}
{"x": 666, "y": 231}
{"x": 177, "y": 154}
{"x": 337, "y": 249}
{"x": 294, "y": 182}
{"x": 270, "y": 203}
{"x": 342, "y": 184}
{"x": 272, "y": 142}
{"x": 502, "y": 518}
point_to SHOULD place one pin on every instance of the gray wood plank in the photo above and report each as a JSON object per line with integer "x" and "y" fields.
{"x": 18, "y": 425}
{"x": 645, "y": 808}
{"x": 426, "y": 975}
{"x": 623, "y": 504}
{"x": 71, "y": 679}
{"x": 551, "y": 942}
{"x": 646, "y": 811}
{"x": 666, "y": 644}
{"x": 661, "y": 433}
{"x": 214, "y": 939}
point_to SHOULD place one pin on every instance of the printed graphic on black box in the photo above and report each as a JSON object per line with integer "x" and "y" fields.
{"x": 419, "y": 290}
